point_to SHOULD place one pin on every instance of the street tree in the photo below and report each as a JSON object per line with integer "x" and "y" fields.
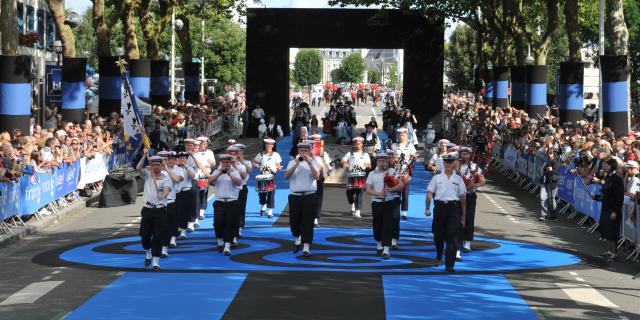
{"x": 373, "y": 75}
{"x": 460, "y": 56}
{"x": 308, "y": 67}
{"x": 63, "y": 30}
{"x": 9, "y": 27}
{"x": 336, "y": 75}
{"x": 352, "y": 68}
{"x": 154, "y": 17}
{"x": 394, "y": 78}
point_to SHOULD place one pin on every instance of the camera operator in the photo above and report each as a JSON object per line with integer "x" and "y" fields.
{"x": 549, "y": 186}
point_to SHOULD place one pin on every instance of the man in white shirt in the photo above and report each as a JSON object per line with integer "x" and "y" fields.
{"x": 208, "y": 161}
{"x": 302, "y": 174}
{"x": 256, "y": 115}
{"x": 383, "y": 187}
{"x": 449, "y": 211}
{"x": 268, "y": 161}
{"x": 244, "y": 191}
{"x": 436, "y": 165}
{"x": 242, "y": 170}
{"x": 407, "y": 158}
{"x": 225, "y": 209}
{"x": 157, "y": 187}
{"x": 176, "y": 174}
{"x": 324, "y": 161}
{"x": 357, "y": 162}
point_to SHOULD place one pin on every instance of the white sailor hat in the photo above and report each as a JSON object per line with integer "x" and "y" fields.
{"x": 304, "y": 145}
{"x": 390, "y": 151}
{"x": 358, "y": 139}
{"x": 225, "y": 156}
{"x": 443, "y": 141}
{"x": 164, "y": 153}
{"x": 382, "y": 155}
{"x": 197, "y": 142}
{"x": 401, "y": 130}
{"x": 632, "y": 164}
{"x": 451, "y": 145}
{"x": 465, "y": 149}
{"x": 155, "y": 159}
{"x": 202, "y": 138}
{"x": 183, "y": 154}
{"x": 61, "y": 133}
{"x": 450, "y": 156}
{"x": 231, "y": 141}
{"x": 240, "y": 146}
{"x": 233, "y": 149}
{"x": 173, "y": 154}
{"x": 269, "y": 141}
{"x": 189, "y": 140}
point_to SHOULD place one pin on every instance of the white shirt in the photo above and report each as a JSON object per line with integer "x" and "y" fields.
{"x": 150, "y": 195}
{"x": 447, "y": 188}
{"x": 225, "y": 189}
{"x": 468, "y": 170}
{"x": 278, "y": 129}
{"x": 407, "y": 149}
{"x": 175, "y": 186}
{"x": 204, "y": 157}
{"x": 323, "y": 160}
{"x": 302, "y": 180}
{"x": 375, "y": 180}
{"x": 241, "y": 169}
{"x": 360, "y": 159}
{"x": 437, "y": 161}
{"x": 246, "y": 163}
{"x": 270, "y": 161}
{"x": 192, "y": 166}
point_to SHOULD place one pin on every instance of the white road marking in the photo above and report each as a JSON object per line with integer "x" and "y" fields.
{"x": 128, "y": 225}
{"x": 580, "y": 279}
{"x": 46, "y": 278}
{"x": 122, "y": 229}
{"x": 583, "y": 293}
{"x": 31, "y": 293}
{"x": 120, "y": 273}
{"x": 616, "y": 311}
{"x": 623, "y": 318}
{"x": 573, "y": 273}
{"x": 115, "y": 233}
{"x": 55, "y": 272}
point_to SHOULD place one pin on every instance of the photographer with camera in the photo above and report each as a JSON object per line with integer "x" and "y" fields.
{"x": 549, "y": 186}
{"x": 612, "y": 197}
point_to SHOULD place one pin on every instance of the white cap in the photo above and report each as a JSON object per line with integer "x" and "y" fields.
{"x": 358, "y": 139}
{"x": 156, "y": 159}
{"x": 164, "y": 153}
{"x": 61, "y": 133}
{"x": 202, "y": 138}
{"x": 225, "y": 156}
{"x": 445, "y": 141}
{"x": 240, "y": 146}
{"x": 401, "y": 130}
{"x": 196, "y": 142}
{"x": 261, "y": 120}
{"x": 233, "y": 149}
{"x": 189, "y": 140}
{"x": 632, "y": 164}
{"x": 269, "y": 141}
{"x": 231, "y": 141}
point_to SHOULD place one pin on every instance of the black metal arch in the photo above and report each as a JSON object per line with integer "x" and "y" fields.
{"x": 271, "y": 32}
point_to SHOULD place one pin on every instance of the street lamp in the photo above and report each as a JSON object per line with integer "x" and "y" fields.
{"x": 120, "y": 51}
{"x": 205, "y": 42}
{"x": 176, "y": 24}
{"x": 57, "y": 47}
{"x": 72, "y": 19}
{"x": 529, "y": 60}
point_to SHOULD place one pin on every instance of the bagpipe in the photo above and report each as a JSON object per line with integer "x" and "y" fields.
{"x": 405, "y": 166}
{"x": 474, "y": 177}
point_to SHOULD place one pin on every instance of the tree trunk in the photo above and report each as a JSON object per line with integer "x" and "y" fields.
{"x": 573, "y": 33}
{"x": 520, "y": 45}
{"x": 617, "y": 31}
{"x": 102, "y": 26}
{"x": 152, "y": 29}
{"x": 65, "y": 33}
{"x": 128, "y": 24}
{"x": 185, "y": 40}
{"x": 9, "y": 27}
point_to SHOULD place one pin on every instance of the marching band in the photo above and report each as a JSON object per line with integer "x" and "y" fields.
{"x": 177, "y": 184}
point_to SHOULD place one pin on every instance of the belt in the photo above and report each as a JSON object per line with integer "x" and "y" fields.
{"x": 448, "y": 201}
{"x": 304, "y": 193}
{"x": 226, "y": 200}
{"x": 186, "y": 189}
{"x": 154, "y": 206}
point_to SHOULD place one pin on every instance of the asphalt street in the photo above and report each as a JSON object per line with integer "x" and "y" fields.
{"x": 49, "y": 276}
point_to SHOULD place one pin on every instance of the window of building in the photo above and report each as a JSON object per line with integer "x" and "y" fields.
{"x": 31, "y": 23}
{"x": 41, "y": 28}
{"x": 20, "y": 12}
{"x": 51, "y": 32}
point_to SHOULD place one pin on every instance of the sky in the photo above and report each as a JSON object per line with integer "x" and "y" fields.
{"x": 80, "y": 6}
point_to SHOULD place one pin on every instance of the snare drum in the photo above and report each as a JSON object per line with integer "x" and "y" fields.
{"x": 356, "y": 180}
{"x": 203, "y": 184}
{"x": 265, "y": 183}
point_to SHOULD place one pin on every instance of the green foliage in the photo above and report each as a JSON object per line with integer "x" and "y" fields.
{"x": 394, "y": 78}
{"x": 374, "y": 76}
{"x": 352, "y": 68}
{"x": 308, "y": 67}
{"x": 336, "y": 75}
{"x": 460, "y": 55}
{"x": 86, "y": 38}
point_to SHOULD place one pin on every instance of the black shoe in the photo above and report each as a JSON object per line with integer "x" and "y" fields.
{"x": 234, "y": 244}
{"x": 605, "y": 255}
{"x": 296, "y": 248}
{"x": 183, "y": 237}
{"x": 394, "y": 247}
{"x": 147, "y": 262}
{"x": 220, "y": 249}
{"x": 438, "y": 262}
{"x": 385, "y": 256}
{"x": 465, "y": 250}
{"x": 262, "y": 212}
{"x": 552, "y": 218}
{"x": 172, "y": 245}
{"x": 156, "y": 268}
{"x": 450, "y": 269}
{"x": 404, "y": 217}
{"x": 612, "y": 259}
{"x": 164, "y": 255}
{"x": 459, "y": 259}
{"x": 227, "y": 253}
{"x": 378, "y": 252}
{"x": 306, "y": 254}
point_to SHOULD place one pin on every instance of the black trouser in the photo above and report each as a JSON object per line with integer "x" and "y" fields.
{"x": 242, "y": 204}
{"x": 267, "y": 198}
{"x": 152, "y": 229}
{"x": 185, "y": 201}
{"x": 319, "y": 196}
{"x": 355, "y": 196}
{"x": 384, "y": 216}
{"x": 301, "y": 215}
{"x": 172, "y": 223}
{"x": 225, "y": 219}
{"x": 469, "y": 221}
{"x": 404, "y": 198}
{"x": 201, "y": 201}
{"x": 445, "y": 226}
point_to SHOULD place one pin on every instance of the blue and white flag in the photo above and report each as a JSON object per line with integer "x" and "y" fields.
{"x": 132, "y": 124}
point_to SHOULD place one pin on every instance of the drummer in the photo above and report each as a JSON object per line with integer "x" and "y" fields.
{"x": 208, "y": 161}
{"x": 324, "y": 162}
{"x": 407, "y": 155}
{"x": 238, "y": 166}
{"x": 243, "y": 193}
{"x": 371, "y": 144}
{"x": 269, "y": 162}
{"x": 356, "y": 161}
{"x": 195, "y": 170}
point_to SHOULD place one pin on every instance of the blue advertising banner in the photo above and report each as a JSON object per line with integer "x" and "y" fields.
{"x": 521, "y": 163}
{"x": 53, "y": 84}
{"x": 566, "y": 184}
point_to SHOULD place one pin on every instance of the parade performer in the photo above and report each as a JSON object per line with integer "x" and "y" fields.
{"x": 198, "y": 174}
{"x": 177, "y": 175}
{"x": 302, "y": 174}
{"x": 208, "y": 161}
{"x": 384, "y": 189}
{"x": 436, "y": 165}
{"x": 185, "y": 198}
{"x": 152, "y": 226}
{"x": 371, "y": 144}
{"x": 243, "y": 193}
{"x": 356, "y": 162}
{"x": 472, "y": 176}
{"x": 239, "y": 166}
{"x": 269, "y": 162}
{"x": 405, "y": 166}
{"x": 449, "y": 212}
{"x": 324, "y": 162}
{"x": 228, "y": 183}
